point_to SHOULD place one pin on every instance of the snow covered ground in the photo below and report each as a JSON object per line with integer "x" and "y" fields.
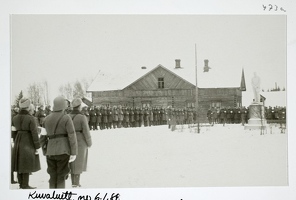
{"x": 156, "y": 157}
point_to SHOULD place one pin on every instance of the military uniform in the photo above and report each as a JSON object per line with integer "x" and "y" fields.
{"x": 173, "y": 120}
{"x": 47, "y": 110}
{"x": 209, "y": 116}
{"x": 84, "y": 141}
{"x": 110, "y": 118}
{"x": 62, "y": 144}
{"x": 120, "y": 117}
{"x": 151, "y": 117}
{"x": 99, "y": 118}
{"x": 25, "y": 160}
{"x": 104, "y": 118}
{"x": 115, "y": 117}
{"x": 93, "y": 119}
{"x": 243, "y": 115}
{"x": 141, "y": 117}
{"x": 40, "y": 114}
{"x": 223, "y": 115}
{"x": 126, "y": 118}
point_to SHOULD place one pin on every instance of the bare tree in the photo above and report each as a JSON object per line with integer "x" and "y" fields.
{"x": 78, "y": 91}
{"x": 67, "y": 91}
{"x": 36, "y": 93}
{"x": 75, "y": 90}
{"x": 86, "y": 83}
{"x": 46, "y": 93}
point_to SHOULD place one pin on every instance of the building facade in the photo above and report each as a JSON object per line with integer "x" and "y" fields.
{"x": 161, "y": 87}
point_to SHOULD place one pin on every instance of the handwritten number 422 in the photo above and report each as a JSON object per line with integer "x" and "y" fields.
{"x": 270, "y": 7}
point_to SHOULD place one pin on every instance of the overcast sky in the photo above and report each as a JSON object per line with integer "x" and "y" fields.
{"x": 64, "y": 48}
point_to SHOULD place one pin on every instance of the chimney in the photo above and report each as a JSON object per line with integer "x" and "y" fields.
{"x": 178, "y": 65}
{"x": 206, "y": 67}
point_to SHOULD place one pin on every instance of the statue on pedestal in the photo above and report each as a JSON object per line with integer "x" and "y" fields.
{"x": 256, "y": 109}
{"x": 256, "y": 87}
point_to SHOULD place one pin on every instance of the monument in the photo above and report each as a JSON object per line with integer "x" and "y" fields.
{"x": 257, "y": 119}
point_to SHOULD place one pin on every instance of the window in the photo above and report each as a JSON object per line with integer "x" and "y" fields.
{"x": 190, "y": 104}
{"x": 160, "y": 82}
{"x": 216, "y": 104}
{"x": 146, "y": 104}
{"x": 107, "y": 104}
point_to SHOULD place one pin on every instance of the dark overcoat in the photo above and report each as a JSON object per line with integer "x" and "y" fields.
{"x": 84, "y": 141}
{"x": 93, "y": 116}
{"x": 110, "y": 116}
{"x": 151, "y": 116}
{"x": 99, "y": 116}
{"x": 26, "y": 143}
{"x": 126, "y": 116}
{"x": 104, "y": 116}
{"x": 132, "y": 116}
{"x": 120, "y": 115}
{"x": 115, "y": 115}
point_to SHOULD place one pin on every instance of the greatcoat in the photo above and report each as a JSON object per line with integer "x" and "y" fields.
{"x": 25, "y": 159}
{"x": 84, "y": 141}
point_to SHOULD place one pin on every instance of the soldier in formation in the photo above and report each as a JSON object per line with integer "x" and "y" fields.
{"x": 106, "y": 117}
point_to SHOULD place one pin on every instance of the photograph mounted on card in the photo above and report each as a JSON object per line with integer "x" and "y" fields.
{"x": 154, "y": 101}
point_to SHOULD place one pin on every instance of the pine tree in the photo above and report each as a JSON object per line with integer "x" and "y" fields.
{"x": 18, "y": 98}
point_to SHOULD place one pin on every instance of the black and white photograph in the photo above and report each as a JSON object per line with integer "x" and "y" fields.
{"x": 132, "y": 102}
{"x": 155, "y": 100}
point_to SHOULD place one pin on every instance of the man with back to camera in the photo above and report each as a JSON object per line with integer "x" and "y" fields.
{"x": 62, "y": 143}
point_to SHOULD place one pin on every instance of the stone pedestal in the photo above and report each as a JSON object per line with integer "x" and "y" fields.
{"x": 257, "y": 119}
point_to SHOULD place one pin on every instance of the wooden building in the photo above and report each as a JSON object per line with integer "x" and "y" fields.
{"x": 161, "y": 87}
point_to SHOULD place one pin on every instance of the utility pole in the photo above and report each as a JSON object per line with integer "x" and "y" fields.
{"x": 196, "y": 92}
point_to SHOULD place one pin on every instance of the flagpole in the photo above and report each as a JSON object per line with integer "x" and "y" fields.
{"x": 196, "y": 92}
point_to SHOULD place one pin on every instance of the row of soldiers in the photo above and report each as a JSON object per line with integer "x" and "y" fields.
{"x": 119, "y": 116}
{"x": 228, "y": 115}
{"x": 40, "y": 113}
{"x": 275, "y": 113}
{"x": 241, "y": 115}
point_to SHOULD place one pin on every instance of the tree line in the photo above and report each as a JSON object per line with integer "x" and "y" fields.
{"x": 38, "y": 92}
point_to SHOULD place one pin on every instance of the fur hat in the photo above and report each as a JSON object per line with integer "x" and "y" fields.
{"x": 59, "y": 103}
{"x": 24, "y": 103}
{"x": 76, "y": 102}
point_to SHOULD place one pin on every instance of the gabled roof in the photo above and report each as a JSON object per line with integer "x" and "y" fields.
{"x": 157, "y": 67}
{"x": 117, "y": 80}
{"x": 121, "y": 79}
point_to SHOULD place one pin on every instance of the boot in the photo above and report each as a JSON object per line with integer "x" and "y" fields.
{"x": 25, "y": 184}
{"x": 61, "y": 184}
{"x": 77, "y": 177}
{"x": 12, "y": 181}
{"x": 75, "y": 180}
{"x": 20, "y": 180}
{"x": 52, "y": 185}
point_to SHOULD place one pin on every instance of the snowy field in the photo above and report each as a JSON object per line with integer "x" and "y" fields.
{"x": 156, "y": 157}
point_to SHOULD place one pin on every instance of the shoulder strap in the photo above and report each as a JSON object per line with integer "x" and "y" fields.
{"x": 74, "y": 117}
{"x": 58, "y": 123}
